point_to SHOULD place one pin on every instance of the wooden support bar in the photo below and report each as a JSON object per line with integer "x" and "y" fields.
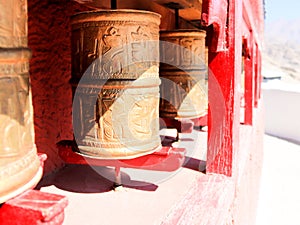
{"x": 249, "y": 82}
{"x": 113, "y": 4}
{"x": 223, "y": 79}
{"x": 118, "y": 181}
{"x": 165, "y": 159}
{"x": 190, "y": 9}
{"x": 256, "y": 76}
{"x": 259, "y": 74}
{"x": 176, "y": 18}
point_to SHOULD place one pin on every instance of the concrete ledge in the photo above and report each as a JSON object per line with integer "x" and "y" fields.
{"x": 282, "y": 110}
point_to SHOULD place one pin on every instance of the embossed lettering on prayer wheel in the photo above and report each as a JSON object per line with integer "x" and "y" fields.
{"x": 19, "y": 163}
{"x": 116, "y": 83}
{"x": 183, "y": 71}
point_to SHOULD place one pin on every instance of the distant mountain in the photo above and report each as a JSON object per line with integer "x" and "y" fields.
{"x": 284, "y": 30}
{"x": 281, "y": 54}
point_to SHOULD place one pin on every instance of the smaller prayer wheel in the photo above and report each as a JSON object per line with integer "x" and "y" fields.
{"x": 182, "y": 72}
{"x": 116, "y": 83}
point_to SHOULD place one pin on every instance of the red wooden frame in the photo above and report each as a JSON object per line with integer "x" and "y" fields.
{"x": 249, "y": 83}
{"x": 223, "y": 78}
{"x": 224, "y": 62}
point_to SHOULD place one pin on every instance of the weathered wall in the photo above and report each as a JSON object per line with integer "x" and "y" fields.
{"x": 248, "y": 162}
{"x": 50, "y": 71}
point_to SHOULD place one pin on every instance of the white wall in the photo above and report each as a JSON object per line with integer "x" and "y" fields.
{"x": 282, "y": 109}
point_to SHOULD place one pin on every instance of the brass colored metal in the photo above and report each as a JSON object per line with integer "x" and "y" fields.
{"x": 183, "y": 71}
{"x": 115, "y": 54}
{"x": 19, "y": 163}
{"x": 13, "y": 23}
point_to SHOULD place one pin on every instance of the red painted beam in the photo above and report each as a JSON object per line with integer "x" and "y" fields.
{"x": 259, "y": 60}
{"x": 34, "y": 208}
{"x": 223, "y": 96}
{"x": 256, "y": 77}
{"x": 249, "y": 82}
{"x": 166, "y": 159}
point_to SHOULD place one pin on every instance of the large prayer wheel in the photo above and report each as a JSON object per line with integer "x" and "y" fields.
{"x": 183, "y": 71}
{"x": 20, "y": 167}
{"x": 116, "y": 83}
{"x": 19, "y": 163}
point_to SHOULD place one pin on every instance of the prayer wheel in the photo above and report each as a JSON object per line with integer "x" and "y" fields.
{"x": 19, "y": 163}
{"x": 20, "y": 167}
{"x": 182, "y": 72}
{"x": 115, "y": 83}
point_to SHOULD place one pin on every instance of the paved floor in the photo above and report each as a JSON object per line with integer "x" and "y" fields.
{"x": 279, "y": 202}
{"x": 139, "y": 201}
{"x": 279, "y": 198}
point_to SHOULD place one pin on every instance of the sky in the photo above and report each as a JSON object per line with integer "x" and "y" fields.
{"x": 282, "y": 20}
{"x": 282, "y": 10}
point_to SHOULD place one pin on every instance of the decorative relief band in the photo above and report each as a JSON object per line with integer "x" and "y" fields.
{"x": 186, "y": 51}
{"x": 14, "y": 165}
{"x": 17, "y": 172}
{"x": 16, "y": 68}
{"x": 115, "y": 52}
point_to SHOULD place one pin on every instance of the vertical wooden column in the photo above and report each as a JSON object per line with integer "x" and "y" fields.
{"x": 256, "y": 76}
{"x": 223, "y": 79}
{"x": 249, "y": 82}
{"x": 259, "y": 73}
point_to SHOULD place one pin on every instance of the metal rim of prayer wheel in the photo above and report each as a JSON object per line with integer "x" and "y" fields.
{"x": 115, "y": 69}
{"x": 182, "y": 72}
{"x": 19, "y": 163}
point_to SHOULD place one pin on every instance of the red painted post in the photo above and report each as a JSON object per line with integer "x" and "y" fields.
{"x": 224, "y": 105}
{"x": 259, "y": 74}
{"x": 256, "y": 76}
{"x": 249, "y": 76}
